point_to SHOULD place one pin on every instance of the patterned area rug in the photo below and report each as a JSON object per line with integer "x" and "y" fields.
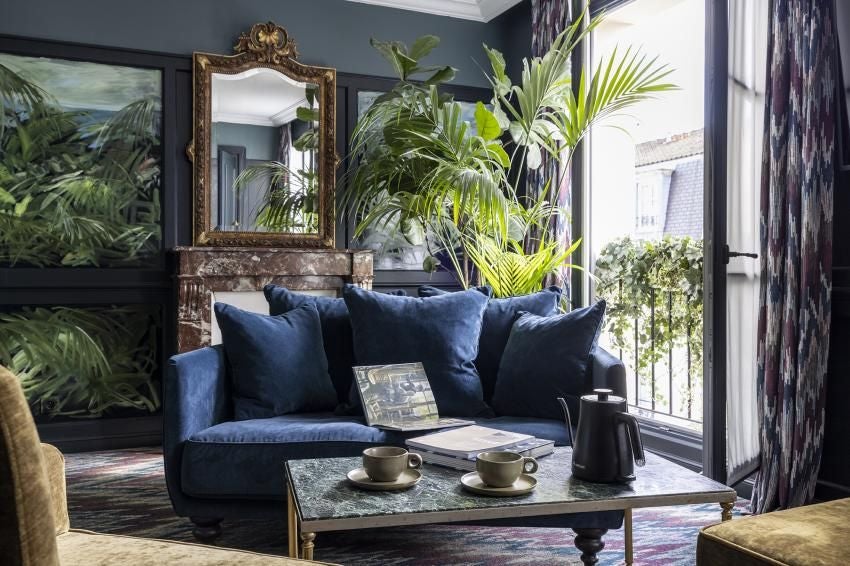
{"x": 124, "y": 492}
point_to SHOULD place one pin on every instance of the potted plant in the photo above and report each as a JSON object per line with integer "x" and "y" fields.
{"x": 418, "y": 166}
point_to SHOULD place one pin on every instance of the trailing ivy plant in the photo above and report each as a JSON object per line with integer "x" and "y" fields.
{"x": 83, "y": 362}
{"x": 634, "y": 276}
{"x": 418, "y": 165}
{"x": 74, "y": 191}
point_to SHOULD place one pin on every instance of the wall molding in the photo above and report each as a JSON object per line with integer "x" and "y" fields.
{"x": 475, "y": 10}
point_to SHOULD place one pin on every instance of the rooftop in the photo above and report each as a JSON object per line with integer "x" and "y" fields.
{"x": 667, "y": 149}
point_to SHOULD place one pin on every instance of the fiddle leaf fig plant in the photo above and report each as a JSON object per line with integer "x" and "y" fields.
{"x": 416, "y": 160}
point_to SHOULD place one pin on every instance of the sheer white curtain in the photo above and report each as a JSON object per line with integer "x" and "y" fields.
{"x": 748, "y": 26}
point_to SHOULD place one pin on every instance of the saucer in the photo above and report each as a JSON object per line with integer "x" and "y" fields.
{"x": 523, "y": 485}
{"x": 408, "y": 478}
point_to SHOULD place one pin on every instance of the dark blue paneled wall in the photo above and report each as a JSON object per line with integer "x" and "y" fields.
{"x": 334, "y": 33}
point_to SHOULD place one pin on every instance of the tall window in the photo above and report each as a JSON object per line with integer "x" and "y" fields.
{"x": 645, "y": 212}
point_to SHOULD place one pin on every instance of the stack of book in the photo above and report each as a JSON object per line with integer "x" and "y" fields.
{"x": 457, "y": 448}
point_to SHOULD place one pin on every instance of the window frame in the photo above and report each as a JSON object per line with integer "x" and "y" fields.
{"x": 706, "y": 451}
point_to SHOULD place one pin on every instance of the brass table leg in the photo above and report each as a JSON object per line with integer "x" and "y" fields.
{"x": 292, "y": 523}
{"x": 726, "y": 514}
{"x": 627, "y": 526}
{"x": 307, "y": 545}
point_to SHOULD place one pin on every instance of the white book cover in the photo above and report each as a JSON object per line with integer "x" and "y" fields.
{"x": 536, "y": 448}
{"x": 399, "y": 397}
{"x": 467, "y": 441}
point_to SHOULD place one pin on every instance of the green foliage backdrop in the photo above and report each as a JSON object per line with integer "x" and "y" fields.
{"x": 419, "y": 165}
{"x": 76, "y": 188}
{"x": 627, "y": 272}
{"x": 83, "y": 362}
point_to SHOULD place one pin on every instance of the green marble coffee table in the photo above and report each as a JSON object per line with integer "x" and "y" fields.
{"x": 321, "y": 499}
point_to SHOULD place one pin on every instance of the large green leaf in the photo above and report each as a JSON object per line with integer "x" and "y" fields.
{"x": 422, "y": 46}
{"x": 390, "y": 51}
{"x": 486, "y": 123}
{"x": 441, "y": 75}
{"x": 307, "y": 114}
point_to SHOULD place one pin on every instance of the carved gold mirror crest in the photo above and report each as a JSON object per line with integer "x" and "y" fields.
{"x": 263, "y": 150}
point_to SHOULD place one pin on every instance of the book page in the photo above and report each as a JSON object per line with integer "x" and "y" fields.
{"x": 468, "y": 439}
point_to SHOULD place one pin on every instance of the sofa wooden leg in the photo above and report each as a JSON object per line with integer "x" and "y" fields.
{"x": 206, "y": 529}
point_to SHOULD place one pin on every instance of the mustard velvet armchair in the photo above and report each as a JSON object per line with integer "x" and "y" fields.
{"x": 812, "y": 535}
{"x": 34, "y": 525}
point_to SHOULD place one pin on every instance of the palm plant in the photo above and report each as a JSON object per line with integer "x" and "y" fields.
{"x": 415, "y": 161}
{"x": 73, "y": 191}
{"x": 289, "y": 202}
{"x": 290, "y": 199}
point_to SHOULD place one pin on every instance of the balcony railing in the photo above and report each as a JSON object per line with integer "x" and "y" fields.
{"x": 670, "y": 386}
{"x": 654, "y": 323}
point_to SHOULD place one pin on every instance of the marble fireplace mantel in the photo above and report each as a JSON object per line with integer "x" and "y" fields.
{"x": 203, "y": 271}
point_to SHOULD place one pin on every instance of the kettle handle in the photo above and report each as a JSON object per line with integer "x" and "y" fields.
{"x": 632, "y": 429}
{"x": 567, "y": 418}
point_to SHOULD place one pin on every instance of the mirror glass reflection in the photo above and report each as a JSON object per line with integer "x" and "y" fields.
{"x": 263, "y": 164}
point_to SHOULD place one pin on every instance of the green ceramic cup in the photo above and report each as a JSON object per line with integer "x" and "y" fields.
{"x": 386, "y": 463}
{"x": 502, "y": 469}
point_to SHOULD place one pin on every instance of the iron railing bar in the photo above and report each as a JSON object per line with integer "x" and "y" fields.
{"x": 637, "y": 376}
{"x": 620, "y": 300}
{"x": 690, "y": 385}
{"x": 670, "y": 351}
{"x": 652, "y": 344}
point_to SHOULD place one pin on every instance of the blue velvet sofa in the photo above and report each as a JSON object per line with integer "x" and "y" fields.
{"x": 219, "y": 468}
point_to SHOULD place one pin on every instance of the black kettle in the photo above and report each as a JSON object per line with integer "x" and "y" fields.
{"x": 607, "y": 442}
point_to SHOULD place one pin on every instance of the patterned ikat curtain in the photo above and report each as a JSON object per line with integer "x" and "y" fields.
{"x": 798, "y": 176}
{"x": 548, "y": 19}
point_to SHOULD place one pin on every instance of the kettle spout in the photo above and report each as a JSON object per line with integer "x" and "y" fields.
{"x": 569, "y": 421}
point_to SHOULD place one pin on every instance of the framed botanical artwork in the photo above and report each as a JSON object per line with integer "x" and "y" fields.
{"x": 80, "y": 171}
{"x": 93, "y": 179}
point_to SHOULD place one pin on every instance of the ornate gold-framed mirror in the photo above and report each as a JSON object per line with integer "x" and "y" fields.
{"x": 263, "y": 151}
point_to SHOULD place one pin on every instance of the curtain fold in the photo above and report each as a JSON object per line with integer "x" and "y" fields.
{"x": 548, "y": 19}
{"x": 284, "y": 145}
{"x": 797, "y": 183}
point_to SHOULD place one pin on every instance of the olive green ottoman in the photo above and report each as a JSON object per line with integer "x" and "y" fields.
{"x": 811, "y": 535}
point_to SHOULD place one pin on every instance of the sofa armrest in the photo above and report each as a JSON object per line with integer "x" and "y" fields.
{"x": 608, "y": 372}
{"x": 54, "y": 466}
{"x": 196, "y": 396}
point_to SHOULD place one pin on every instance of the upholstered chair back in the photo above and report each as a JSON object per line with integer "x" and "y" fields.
{"x": 27, "y": 522}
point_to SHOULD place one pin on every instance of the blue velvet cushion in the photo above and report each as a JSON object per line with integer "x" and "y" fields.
{"x": 498, "y": 319}
{"x": 336, "y": 330}
{"x": 441, "y": 332}
{"x": 277, "y": 363}
{"x": 546, "y": 358}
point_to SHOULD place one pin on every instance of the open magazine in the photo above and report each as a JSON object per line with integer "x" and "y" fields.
{"x": 399, "y": 397}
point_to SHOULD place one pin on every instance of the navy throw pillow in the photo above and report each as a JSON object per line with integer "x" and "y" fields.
{"x": 336, "y": 330}
{"x": 499, "y": 317}
{"x": 277, "y": 363}
{"x": 546, "y": 358}
{"x": 441, "y": 332}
